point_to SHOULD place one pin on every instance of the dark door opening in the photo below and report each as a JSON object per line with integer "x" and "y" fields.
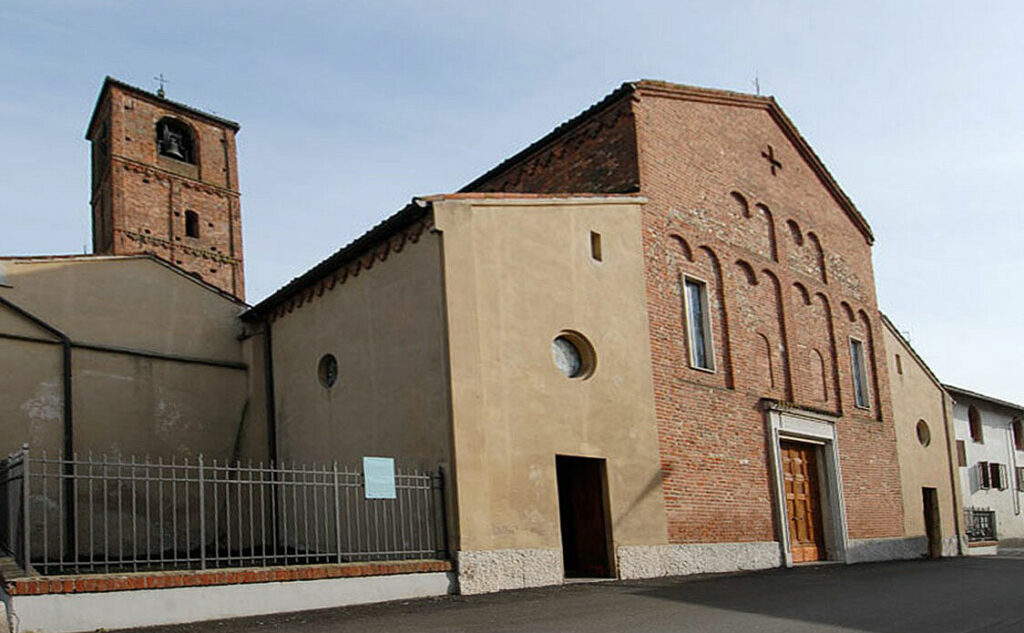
{"x": 583, "y": 511}
{"x": 932, "y": 525}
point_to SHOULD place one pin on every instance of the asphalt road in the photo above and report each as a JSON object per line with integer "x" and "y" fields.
{"x": 955, "y": 595}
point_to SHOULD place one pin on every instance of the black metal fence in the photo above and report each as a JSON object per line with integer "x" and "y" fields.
{"x": 113, "y": 515}
{"x": 980, "y": 524}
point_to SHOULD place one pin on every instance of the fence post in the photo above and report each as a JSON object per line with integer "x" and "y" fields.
{"x": 444, "y": 512}
{"x": 26, "y": 545}
{"x": 202, "y": 516}
{"x": 337, "y": 514}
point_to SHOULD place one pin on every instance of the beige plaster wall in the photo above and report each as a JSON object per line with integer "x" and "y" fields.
{"x": 386, "y": 329}
{"x": 915, "y": 396}
{"x": 129, "y": 302}
{"x": 128, "y": 405}
{"x": 517, "y": 273}
{"x": 123, "y": 404}
{"x": 30, "y": 395}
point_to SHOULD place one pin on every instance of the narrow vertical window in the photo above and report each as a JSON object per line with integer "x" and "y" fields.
{"x": 699, "y": 325}
{"x": 1018, "y": 435}
{"x": 961, "y": 453}
{"x": 984, "y": 475}
{"x": 191, "y": 224}
{"x": 860, "y": 374}
{"x": 595, "y": 246}
{"x": 899, "y": 365}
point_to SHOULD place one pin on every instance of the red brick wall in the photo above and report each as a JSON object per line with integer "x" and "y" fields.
{"x": 140, "y": 198}
{"x": 708, "y": 185}
{"x": 597, "y": 156}
{"x": 790, "y": 280}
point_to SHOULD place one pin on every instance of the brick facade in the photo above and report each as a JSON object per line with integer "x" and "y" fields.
{"x": 787, "y": 263}
{"x": 140, "y": 198}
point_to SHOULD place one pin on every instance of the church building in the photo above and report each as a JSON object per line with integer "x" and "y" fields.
{"x": 648, "y": 344}
{"x": 772, "y": 398}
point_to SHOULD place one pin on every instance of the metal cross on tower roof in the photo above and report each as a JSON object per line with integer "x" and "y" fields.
{"x": 161, "y": 80}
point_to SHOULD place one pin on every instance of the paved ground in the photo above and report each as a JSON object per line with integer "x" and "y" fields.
{"x": 955, "y": 595}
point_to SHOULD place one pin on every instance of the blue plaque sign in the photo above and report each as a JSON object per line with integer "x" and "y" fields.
{"x": 379, "y": 477}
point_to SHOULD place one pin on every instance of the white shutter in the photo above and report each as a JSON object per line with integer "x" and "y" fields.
{"x": 983, "y": 475}
{"x": 1004, "y": 482}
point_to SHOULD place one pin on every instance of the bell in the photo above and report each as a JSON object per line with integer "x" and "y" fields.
{"x": 172, "y": 147}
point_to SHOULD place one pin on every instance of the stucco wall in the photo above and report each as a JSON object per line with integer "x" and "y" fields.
{"x": 517, "y": 273}
{"x": 123, "y": 404}
{"x": 997, "y": 447}
{"x": 386, "y": 329}
{"x": 915, "y": 397}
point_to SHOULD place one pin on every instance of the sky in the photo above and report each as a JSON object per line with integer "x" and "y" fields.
{"x": 349, "y": 109}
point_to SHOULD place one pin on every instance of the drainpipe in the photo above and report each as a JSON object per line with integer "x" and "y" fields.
{"x": 1012, "y": 475}
{"x": 954, "y": 470}
{"x": 69, "y": 440}
{"x": 268, "y": 378}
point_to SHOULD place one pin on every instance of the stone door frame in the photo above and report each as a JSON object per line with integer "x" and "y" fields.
{"x": 811, "y": 427}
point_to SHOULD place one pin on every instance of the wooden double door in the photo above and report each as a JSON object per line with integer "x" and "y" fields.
{"x": 803, "y": 500}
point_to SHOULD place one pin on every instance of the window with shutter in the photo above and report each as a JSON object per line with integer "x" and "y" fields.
{"x": 961, "y": 453}
{"x": 984, "y": 473}
{"x": 1020, "y": 478}
{"x": 1003, "y": 479}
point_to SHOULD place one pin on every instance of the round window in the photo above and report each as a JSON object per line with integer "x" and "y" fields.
{"x": 573, "y": 355}
{"x": 924, "y": 434}
{"x": 327, "y": 370}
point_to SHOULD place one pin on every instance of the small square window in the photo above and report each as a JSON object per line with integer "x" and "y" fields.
{"x": 698, "y": 322}
{"x": 860, "y": 374}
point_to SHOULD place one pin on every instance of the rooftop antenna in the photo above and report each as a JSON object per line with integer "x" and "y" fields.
{"x": 757, "y": 85}
{"x": 161, "y": 80}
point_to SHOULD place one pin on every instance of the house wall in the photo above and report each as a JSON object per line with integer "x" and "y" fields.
{"x": 996, "y": 446}
{"x": 916, "y": 397}
{"x": 385, "y": 326}
{"x": 517, "y": 273}
{"x": 123, "y": 404}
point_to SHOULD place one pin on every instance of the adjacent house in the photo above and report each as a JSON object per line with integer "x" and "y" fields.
{"x": 990, "y": 460}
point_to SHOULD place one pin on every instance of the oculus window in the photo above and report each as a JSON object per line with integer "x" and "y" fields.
{"x": 860, "y": 374}
{"x": 698, "y": 324}
{"x": 924, "y": 434}
{"x": 573, "y": 355}
{"x": 327, "y": 370}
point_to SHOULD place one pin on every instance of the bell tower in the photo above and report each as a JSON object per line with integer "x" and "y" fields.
{"x": 165, "y": 181}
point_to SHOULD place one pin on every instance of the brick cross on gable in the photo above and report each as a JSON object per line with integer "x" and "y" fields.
{"x": 772, "y": 161}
